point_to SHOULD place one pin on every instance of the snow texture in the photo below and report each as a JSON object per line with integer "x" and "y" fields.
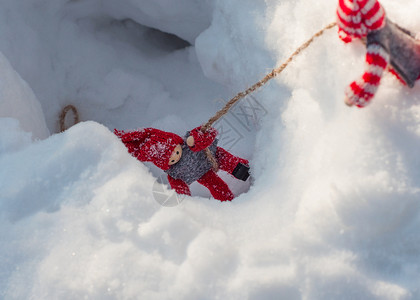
{"x": 333, "y": 210}
{"x": 18, "y": 101}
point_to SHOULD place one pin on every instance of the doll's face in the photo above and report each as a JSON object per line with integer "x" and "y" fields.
{"x": 176, "y": 155}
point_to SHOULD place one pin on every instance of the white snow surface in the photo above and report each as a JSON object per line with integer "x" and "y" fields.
{"x": 18, "y": 101}
{"x": 333, "y": 211}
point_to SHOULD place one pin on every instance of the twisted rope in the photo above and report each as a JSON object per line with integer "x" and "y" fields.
{"x": 63, "y": 114}
{"x": 256, "y": 86}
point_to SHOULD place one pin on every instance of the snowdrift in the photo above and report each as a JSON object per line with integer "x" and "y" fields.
{"x": 333, "y": 211}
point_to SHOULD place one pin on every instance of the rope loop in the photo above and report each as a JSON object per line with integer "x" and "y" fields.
{"x": 63, "y": 114}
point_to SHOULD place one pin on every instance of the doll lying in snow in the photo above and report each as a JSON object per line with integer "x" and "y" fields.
{"x": 388, "y": 45}
{"x": 185, "y": 161}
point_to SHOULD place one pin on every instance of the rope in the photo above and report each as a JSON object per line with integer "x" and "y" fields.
{"x": 63, "y": 114}
{"x": 256, "y": 86}
{"x": 229, "y": 104}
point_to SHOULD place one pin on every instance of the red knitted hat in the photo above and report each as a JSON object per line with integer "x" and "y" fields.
{"x": 358, "y": 17}
{"x": 150, "y": 144}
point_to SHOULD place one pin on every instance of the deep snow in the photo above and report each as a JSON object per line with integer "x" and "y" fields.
{"x": 333, "y": 211}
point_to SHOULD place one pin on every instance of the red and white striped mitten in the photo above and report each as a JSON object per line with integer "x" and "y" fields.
{"x": 361, "y": 91}
{"x": 355, "y": 19}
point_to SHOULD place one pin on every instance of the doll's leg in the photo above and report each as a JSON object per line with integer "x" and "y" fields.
{"x": 227, "y": 161}
{"x": 179, "y": 186}
{"x": 232, "y": 164}
{"x": 217, "y": 187}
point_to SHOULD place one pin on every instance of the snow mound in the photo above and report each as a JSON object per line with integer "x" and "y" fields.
{"x": 18, "y": 101}
{"x": 333, "y": 210}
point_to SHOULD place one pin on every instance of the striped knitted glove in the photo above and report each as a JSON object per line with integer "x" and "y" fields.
{"x": 357, "y": 18}
{"x": 361, "y": 91}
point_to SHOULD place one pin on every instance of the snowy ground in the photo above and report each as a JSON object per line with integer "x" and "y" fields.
{"x": 333, "y": 211}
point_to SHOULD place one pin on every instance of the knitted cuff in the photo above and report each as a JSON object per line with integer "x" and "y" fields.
{"x": 202, "y": 139}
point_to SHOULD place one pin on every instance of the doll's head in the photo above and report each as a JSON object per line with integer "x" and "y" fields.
{"x": 149, "y": 144}
{"x": 176, "y": 155}
{"x": 356, "y": 18}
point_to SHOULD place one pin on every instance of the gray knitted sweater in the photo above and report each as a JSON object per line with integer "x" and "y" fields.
{"x": 192, "y": 165}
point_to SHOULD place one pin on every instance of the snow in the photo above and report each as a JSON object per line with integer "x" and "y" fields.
{"x": 333, "y": 210}
{"x": 18, "y": 101}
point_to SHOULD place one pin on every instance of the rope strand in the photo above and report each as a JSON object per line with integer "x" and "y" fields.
{"x": 263, "y": 81}
{"x": 256, "y": 86}
{"x": 63, "y": 114}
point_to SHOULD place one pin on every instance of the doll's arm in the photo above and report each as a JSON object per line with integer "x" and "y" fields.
{"x": 179, "y": 186}
{"x": 361, "y": 91}
{"x": 201, "y": 140}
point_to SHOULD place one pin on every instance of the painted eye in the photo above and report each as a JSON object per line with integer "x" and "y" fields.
{"x": 177, "y": 152}
{"x": 173, "y": 160}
